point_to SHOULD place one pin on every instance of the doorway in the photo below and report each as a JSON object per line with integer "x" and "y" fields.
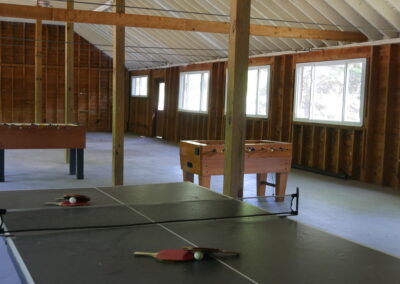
{"x": 159, "y": 116}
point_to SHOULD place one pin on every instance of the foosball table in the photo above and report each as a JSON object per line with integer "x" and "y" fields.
{"x": 206, "y": 158}
{"x": 45, "y": 136}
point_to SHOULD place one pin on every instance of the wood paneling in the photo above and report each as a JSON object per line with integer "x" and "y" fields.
{"x": 370, "y": 153}
{"x": 93, "y": 71}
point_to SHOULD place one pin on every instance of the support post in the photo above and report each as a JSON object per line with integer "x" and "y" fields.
{"x": 38, "y": 71}
{"x": 118, "y": 98}
{"x": 235, "y": 126}
{"x": 69, "y": 115}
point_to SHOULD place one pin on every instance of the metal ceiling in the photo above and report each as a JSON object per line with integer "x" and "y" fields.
{"x": 149, "y": 48}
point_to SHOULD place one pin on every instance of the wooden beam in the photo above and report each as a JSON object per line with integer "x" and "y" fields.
{"x": 118, "y": 97}
{"x": 69, "y": 68}
{"x": 1, "y": 44}
{"x": 38, "y": 71}
{"x": 69, "y": 113}
{"x": 157, "y": 22}
{"x": 235, "y": 125}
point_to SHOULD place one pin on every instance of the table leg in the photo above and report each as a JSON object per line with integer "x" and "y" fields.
{"x": 79, "y": 163}
{"x": 188, "y": 176}
{"x": 281, "y": 181}
{"x": 2, "y": 179}
{"x": 205, "y": 181}
{"x": 261, "y": 186}
{"x": 72, "y": 161}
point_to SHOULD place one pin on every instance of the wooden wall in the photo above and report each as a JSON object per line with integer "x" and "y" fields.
{"x": 369, "y": 153}
{"x": 93, "y": 77}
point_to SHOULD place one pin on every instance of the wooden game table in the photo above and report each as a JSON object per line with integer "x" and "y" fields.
{"x": 206, "y": 158}
{"x": 44, "y": 136}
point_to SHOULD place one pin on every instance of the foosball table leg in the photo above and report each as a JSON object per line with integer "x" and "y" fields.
{"x": 79, "y": 163}
{"x": 72, "y": 161}
{"x": 205, "y": 181}
{"x": 281, "y": 181}
{"x": 261, "y": 179}
{"x": 2, "y": 179}
{"x": 188, "y": 176}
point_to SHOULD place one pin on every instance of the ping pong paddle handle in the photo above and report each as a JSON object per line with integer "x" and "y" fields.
{"x": 153, "y": 254}
{"x": 67, "y": 204}
{"x": 79, "y": 197}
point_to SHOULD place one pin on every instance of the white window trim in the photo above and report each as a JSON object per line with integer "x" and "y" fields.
{"x": 180, "y": 97}
{"x": 265, "y": 116}
{"x": 147, "y": 87}
{"x": 325, "y": 63}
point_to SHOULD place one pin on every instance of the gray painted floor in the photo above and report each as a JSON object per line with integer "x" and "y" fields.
{"x": 363, "y": 213}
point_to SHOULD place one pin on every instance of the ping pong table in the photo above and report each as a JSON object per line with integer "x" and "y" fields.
{"x": 99, "y": 244}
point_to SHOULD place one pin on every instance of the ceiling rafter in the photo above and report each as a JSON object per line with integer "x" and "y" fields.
{"x": 371, "y": 16}
{"x": 354, "y": 18}
{"x": 395, "y": 4}
{"x": 90, "y": 17}
{"x": 387, "y": 12}
{"x": 299, "y": 15}
{"x": 304, "y": 44}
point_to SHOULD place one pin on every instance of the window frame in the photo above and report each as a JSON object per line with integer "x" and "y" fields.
{"x": 298, "y": 80}
{"x": 180, "y": 95}
{"x": 147, "y": 86}
{"x": 264, "y": 116}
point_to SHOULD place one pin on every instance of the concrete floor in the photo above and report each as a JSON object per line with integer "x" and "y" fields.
{"x": 363, "y": 213}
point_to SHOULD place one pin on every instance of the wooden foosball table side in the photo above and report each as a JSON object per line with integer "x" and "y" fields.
{"x": 206, "y": 158}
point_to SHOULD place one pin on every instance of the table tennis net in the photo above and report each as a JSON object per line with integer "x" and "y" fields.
{"x": 103, "y": 216}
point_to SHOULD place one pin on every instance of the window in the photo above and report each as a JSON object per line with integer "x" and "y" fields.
{"x": 257, "y": 96}
{"x": 330, "y": 92}
{"x": 193, "y": 91}
{"x": 139, "y": 86}
{"x": 161, "y": 96}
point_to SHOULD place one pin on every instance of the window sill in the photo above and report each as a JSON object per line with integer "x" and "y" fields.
{"x": 254, "y": 117}
{"x": 328, "y": 125}
{"x": 193, "y": 111}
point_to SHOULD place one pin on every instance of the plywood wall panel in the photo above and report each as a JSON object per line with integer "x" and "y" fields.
{"x": 346, "y": 155}
{"x": 60, "y": 95}
{"x": 319, "y": 151}
{"x": 18, "y": 96}
{"x": 94, "y": 99}
{"x": 92, "y": 90}
{"x": 50, "y": 94}
{"x": 276, "y": 99}
{"x": 7, "y": 93}
{"x": 358, "y": 151}
{"x": 391, "y": 164}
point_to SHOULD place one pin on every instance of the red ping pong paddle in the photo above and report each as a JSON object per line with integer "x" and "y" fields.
{"x": 169, "y": 255}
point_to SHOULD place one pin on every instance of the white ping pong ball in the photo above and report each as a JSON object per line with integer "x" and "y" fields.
{"x": 198, "y": 255}
{"x": 72, "y": 200}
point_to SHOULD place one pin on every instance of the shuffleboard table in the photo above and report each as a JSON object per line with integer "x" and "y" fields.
{"x": 44, "y": 136}
{"x": 206, "y": 158}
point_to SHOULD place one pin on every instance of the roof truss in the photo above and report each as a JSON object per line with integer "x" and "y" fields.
{"x": 157, "y": 22}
